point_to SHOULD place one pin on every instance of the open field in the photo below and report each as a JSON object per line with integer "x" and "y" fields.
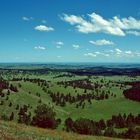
{"x": 97, "y": 110}
{"x": 75, "y": 96}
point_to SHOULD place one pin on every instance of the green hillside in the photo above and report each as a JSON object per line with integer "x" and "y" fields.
{"x": 14, "y": 131}
{"x": 95, "y": 98}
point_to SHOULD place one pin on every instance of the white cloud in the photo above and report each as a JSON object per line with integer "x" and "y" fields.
{"x": 60, "y": 43}
{"x": 101, "y": 53}
{"x": 114, "y": 53}
{"x": 81, "y": 24}
{"x": 128, "y": 52}
{"x": 90, "y": 54}
{"x": 136, "y": 33}
{"x": 118, "y": 50}
{"x": 27, "y": 18}
{"x": 102, "y": 42}
{"x": 96, "y": 23}
{"x": 97, "y": 53}
{"x": 39, "y": 48}
{"x": 104, "y": 25}
{"x": 43, "y": 28}
{"x": 75, "y": 46}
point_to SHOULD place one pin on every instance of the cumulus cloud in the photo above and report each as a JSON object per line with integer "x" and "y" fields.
{"x": 128, "y": 52}
{"x": 114, "y": 53}
{"x": 102, "y": 42}
{"x": 81, "y": 24}
{"x": 39, "y": 48}
{"x": 118, "y": 50}
{"x": 124, "y": 53}
{"x": 27, "y": 18}
{"x": 96, "y": 23}
{"x": 44, "y": 28}
{"x": 97, "y": 52}
{"x": 136, "y": 33}
{"x": 75, "y": 46}
{"x": 102, "y": 53}
{"x": 90, "y": 54}
{"x": 60, "y": 43}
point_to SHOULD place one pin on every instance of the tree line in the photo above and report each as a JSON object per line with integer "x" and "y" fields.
{"x": 106, "y": 128}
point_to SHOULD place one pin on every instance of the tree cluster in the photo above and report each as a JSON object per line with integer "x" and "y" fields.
{"x": 134, "y": 92}
{"x": 106, "y": 128}
{"x": 61, "y": 99}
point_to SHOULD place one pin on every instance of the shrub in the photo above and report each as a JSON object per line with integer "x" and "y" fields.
{"x": 44, "y": 117}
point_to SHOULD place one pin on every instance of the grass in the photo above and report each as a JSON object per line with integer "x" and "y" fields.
{"x": 14, "y": 131}
{"x": 103, "y": 109}
{"x": 97, "y": 110}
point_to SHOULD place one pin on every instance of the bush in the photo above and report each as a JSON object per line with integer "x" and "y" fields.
{"x": 44, "y": 117}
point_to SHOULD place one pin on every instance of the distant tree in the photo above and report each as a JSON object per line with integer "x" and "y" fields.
{"x": 13, "y": 88}
{"x": 17, "y": 107}
{"x": 10, "y": 104}
{"x": 19, "y": 85}
{"x": 8, "y": 92}
{"x": 2, "y": 103}
{"x": 22, "y": 115}
{"x": 106, "y": 96}
{"x": 11, "y": 116}
{"x": 85, "y": 91}
{"x": 39, "y": 101}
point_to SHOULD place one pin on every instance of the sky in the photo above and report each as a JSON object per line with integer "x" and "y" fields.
{"x": 70, "y": 31}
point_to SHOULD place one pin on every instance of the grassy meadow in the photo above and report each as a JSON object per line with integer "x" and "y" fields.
{"x": 33, "y": 94}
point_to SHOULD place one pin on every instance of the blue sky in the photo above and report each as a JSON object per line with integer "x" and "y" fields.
{"x": 69, "y": 31}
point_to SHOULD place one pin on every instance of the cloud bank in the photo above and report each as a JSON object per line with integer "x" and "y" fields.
{"x": 97, "y": 24}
